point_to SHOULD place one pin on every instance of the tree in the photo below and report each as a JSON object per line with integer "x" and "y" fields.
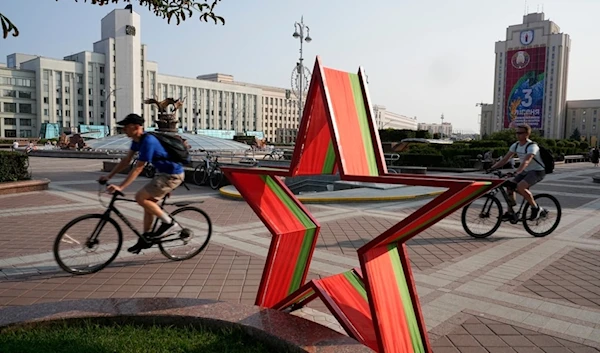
{"x": 180, "y": 10}
{"x": 576, "y": 135}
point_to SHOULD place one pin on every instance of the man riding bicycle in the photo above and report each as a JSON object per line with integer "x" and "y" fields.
{"x": 169, "y": 176}
{"x": 530, "y": 172}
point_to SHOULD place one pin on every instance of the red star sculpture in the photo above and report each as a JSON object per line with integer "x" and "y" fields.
{"x": 377, "y": 304}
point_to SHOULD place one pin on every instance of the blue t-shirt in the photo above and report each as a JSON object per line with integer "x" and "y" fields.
{"x": 152, "y": 151}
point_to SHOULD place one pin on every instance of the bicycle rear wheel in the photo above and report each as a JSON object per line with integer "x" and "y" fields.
{"x": 200, "y": 175}
{"x": 549, "y": 216}
{"x": 79, "y": 248}
{"x": 486, "y": 209}
{"x": 189, "y": 242}
{"x": 216, "y": 178}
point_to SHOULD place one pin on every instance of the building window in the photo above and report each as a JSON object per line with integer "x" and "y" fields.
{"x": 57, "y": 100}
{"x": 25, "y": 122}
{"x": 9, "y": 93}
{"x": 10, "y": 133}
{"x": 24, "y": 108}
{"x": 10, "y": 107}
{"x": 91, "y": 103}
{"x": 45, "y": 112}
{"x": 10, "y": 121}
{"x": 101, "y": 81}
{"x": 25, "y": 133}
{"x": 101, "y": 69}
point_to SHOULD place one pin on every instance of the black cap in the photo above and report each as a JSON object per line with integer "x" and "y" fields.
{"x": 132, "y": 119}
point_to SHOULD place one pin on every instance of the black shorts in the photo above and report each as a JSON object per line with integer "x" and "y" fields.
{"x": 531, "y": 177}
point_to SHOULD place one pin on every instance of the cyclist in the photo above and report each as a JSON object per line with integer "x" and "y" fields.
{"x": 169, "y": 176}
{"x": 530, "y": 172}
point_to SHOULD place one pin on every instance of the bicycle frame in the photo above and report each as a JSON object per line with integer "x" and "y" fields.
{"x": 112, "y": 208}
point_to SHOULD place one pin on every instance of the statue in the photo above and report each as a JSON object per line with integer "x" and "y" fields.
{"x": 167, "y": 121}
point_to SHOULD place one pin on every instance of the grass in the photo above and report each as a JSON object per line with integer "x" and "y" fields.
{"x": 91, "y": 337}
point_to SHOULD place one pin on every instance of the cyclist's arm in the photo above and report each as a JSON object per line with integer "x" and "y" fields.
{"x": 525, "y": 163}
{"x": 133, "y": 174}
{"x": 504, "y": 160}
{"x": 122, "y": 164}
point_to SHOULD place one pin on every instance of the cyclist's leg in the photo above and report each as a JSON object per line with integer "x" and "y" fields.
{"x": 530, "y": 179}
{"x": 158, "y": 188}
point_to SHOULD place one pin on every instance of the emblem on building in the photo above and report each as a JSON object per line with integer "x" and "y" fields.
{"x": 527, "y": 37}
{"x": 520, "y": 59}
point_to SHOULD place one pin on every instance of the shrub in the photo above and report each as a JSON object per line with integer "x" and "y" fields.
{"x": 13, "y": 166}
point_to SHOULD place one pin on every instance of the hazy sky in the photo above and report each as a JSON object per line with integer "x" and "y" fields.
{"x": 422, "y": 59}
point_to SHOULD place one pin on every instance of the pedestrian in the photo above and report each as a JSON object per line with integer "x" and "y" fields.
{"x": 595, "y": 156}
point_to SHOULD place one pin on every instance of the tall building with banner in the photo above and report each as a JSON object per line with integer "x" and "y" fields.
{"x": 530, "y": 82}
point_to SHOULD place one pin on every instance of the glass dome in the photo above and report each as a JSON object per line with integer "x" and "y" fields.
{"x": 197, "y": 143}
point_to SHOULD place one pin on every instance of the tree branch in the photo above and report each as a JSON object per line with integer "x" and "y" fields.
{"x": 178, "y": 10}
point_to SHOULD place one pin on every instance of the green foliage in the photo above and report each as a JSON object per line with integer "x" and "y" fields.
{"x": 437, "y": 136}
{"x": 178, "y": 10}
{"x": 393, "y": 135}
{"x": 576, "y": 135}
{"x": 13, "y": 166}
{"x": 584, "y": 145}
{"x": 423, "y": 134}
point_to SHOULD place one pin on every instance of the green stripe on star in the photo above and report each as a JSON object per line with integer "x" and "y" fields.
{"x": 411, "y": 318}
{"x": 363, "y": 121}
{"x": 309, "y": 234}
{"x": 329, "y": 162}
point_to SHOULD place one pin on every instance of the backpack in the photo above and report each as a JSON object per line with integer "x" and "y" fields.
{"x": 174, "y": 146}
{"x": 547, "y": 158}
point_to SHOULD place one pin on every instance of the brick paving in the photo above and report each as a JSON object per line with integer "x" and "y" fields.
{"x": 511, "y": 278}
{"x": 575, "y": 278}
{"x": 489, "y": 336}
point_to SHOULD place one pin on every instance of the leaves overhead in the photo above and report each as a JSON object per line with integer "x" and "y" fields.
{"x": 171, "y": 10}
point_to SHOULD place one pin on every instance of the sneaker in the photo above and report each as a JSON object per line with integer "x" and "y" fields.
{"x": 535, "y": 212}
{"x": 507, "y": 216}
{"x": 141, "y": 245}
{"x": 166, "y": 229}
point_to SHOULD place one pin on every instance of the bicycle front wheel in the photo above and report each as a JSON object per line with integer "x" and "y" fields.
{"x": 482, "y": 217}
{"x": 192, "y": 239}
{"x": 88, "y": 244}
{"x": 548, "y": 219}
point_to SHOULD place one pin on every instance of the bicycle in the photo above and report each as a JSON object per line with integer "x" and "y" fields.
{"x": 149, "y": 170}
{"x": 491, "y": 202}
{"x": 91, "y": 243}
{"x": 209, "y": 170}
{"x": 275, "y": 154}
{"x": 201, "y": 171}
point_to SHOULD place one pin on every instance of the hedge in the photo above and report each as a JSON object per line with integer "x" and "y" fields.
{"x": 13, "y": 166}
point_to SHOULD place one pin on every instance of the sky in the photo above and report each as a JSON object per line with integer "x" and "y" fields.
{"x": 422, "y": 59}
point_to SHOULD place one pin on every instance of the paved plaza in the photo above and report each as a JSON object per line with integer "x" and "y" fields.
{"x": 510, "y": 292}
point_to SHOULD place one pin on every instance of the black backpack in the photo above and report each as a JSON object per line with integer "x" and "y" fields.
{"x": 547, "y": 158}
{"x": 174, "y": 146}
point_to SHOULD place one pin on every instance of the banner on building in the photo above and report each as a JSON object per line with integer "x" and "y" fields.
{"x": 524, "y": 87}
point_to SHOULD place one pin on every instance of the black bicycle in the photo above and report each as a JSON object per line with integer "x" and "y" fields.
{"x": 91, "y": 236}
{"x": 488, "y": 210}
{"x": 149, "y": 170}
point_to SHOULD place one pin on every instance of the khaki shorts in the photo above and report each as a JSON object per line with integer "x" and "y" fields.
{"x": 162, "y": 184}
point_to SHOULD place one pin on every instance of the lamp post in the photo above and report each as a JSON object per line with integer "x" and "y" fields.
{"x": 299, "y": 33}
{"x": 106, "y": 116}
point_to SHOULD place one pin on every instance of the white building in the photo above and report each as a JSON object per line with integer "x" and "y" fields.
{"x": 444, "y": 129}
{"x": 101, "y": 87}
{"x": 385, "y": 119}
{"x": 486, "y": 120}
{"x": 530, "y": 80}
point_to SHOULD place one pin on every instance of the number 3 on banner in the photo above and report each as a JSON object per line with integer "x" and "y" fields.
{"x": 527, "y": 100}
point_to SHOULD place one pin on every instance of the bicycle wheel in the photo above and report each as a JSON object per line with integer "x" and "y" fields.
{"x": 200, "y": 175}
{"x": 550, "y": 210}
{"x": 81, "y": 238}
{"x": 149, "y": 170}
{"x": 197, "y": 229}
{"x": 485, "y": 209}
{"x": 216, "y": 178}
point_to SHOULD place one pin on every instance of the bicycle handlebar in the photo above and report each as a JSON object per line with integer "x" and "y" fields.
{"x": 498, "y": 173}
{"x": 116, "y": 193}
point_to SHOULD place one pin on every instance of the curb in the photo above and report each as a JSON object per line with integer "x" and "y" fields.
{"x": 311, "y": 199}
{"x": 15, "y": 187}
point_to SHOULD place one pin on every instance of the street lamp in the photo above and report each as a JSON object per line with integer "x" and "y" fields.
{"x": 107, "y": 118}
{"x": 299, "y": 29}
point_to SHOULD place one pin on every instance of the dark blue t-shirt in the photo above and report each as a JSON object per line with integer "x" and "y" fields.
{"x": 152, "y": 151}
